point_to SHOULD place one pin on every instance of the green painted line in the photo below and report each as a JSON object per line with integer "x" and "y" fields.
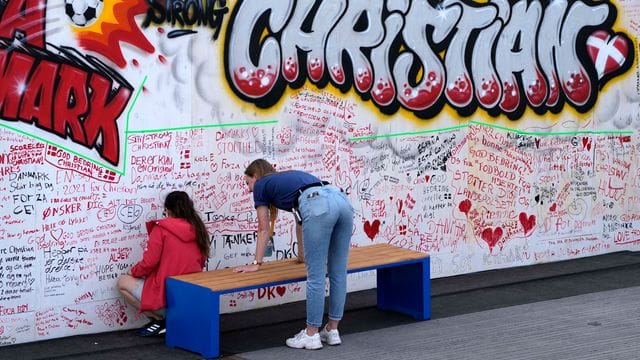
{"x": 410, "y": 133}
{"x": 202, "y": 127}
{"x": 126, "y": 131}
{"x": 557, "y": 133}
{"x": 46, "y": 141}
{"x": 522, "y": 132}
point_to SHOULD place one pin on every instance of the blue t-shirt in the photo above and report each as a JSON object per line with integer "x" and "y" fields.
{"x": 281, "y": 188}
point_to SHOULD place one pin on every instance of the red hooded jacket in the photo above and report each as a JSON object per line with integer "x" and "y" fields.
{"x": 171, "y": 250}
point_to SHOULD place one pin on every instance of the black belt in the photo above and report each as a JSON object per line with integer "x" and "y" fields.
{"x": 308, "y": 186}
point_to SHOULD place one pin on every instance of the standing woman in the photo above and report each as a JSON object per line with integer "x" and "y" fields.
{"x": 178, "y": 244}
{"x": 324, "y": 222}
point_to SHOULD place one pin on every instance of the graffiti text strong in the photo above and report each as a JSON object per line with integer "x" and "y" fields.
{"x": 418, "y": 55}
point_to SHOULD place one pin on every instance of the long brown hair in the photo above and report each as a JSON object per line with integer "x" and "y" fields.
{"x": 259, "y": 168}
{"x": 181, "y": 206}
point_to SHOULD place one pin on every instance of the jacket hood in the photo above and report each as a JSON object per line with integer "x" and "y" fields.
{"x": 181, "y": 228}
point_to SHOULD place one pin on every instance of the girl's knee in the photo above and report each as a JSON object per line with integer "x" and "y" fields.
{"x": 123, "y": 282}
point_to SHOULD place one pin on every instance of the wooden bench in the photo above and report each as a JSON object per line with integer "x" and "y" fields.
{"x": 193, "y": 300}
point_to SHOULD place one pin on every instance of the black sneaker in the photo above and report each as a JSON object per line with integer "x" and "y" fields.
{"x": 154, "y": 327}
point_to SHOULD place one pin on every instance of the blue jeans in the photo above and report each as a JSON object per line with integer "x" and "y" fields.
{"x": 327, "y": 224}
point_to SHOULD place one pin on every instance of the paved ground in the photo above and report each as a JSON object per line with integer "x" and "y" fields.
{"x": 579, "y": 309}
{"x": 602, "y": 325}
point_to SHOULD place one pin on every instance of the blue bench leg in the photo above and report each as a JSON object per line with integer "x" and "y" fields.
{"x": 406, "y": 289}
{"x": 193, "y": 318}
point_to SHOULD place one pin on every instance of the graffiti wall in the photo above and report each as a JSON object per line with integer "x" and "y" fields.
{"x": 489, "y": 134}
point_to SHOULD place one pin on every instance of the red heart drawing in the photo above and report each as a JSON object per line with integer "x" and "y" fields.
{"x": 56, "y": 234}
{"x": 553, "y": 207}
{"x": 586, "y": 143}
{"x": 491, "y": 236}
{"x": 465, "y": 206}
{"x": 372, "y": 229}
{"x": 426, "y": 178}
{"x": 527, "y": 222}
{"x": 280, "y": 290}
{"x": 608, "y": 53}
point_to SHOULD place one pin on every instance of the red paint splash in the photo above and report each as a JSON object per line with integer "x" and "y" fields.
{"x": 460, "y": 90}
{"x": 510, "y": 97}
{"x": 290, "y": 69}
{"x": 577, "y": 87}
{"x": 489, "y": 92}
{"x": 384, "y": 92}
{"x": 537, "y": 90}
{"x": 554, "y": 91}
{"x": 105, "y": 35}
{"x": 315, "y": 68}
{"x": 425, "y": 95}
{"x": 338, "y": 75}
{"x": 363, "y": 79}
{"x": 255, "y": 82}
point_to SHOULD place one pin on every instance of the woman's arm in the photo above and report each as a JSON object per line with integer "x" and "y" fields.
{"x": 151, "y": 256}
{"x": 263, "y": 231}
{"x": 261, "y": 242}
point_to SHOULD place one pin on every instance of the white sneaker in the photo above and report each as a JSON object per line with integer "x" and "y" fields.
{"x": 331, "y": 337}
{"x": 303, "y": 341}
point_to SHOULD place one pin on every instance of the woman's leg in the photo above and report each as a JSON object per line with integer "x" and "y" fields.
{"x": 317, "y": 227}
{"x": 315, "y": 250}
{"x": 131, "y": 290}
{"x": 338, "y": 258}
{"x": 127, "y": 286}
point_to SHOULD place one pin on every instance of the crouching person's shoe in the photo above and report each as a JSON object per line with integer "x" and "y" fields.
{"x": 303, "y": 341}
{"x": 155, "y": 327}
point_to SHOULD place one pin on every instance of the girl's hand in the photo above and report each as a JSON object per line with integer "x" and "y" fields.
{"x": 247, "y": 268}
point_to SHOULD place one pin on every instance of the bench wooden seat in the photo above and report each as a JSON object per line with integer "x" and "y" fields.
{"x": 193, "y": 300}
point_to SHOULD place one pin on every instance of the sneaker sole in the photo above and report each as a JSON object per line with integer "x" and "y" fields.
{"x": 325, "y": 340}
{"x": 153, "y": 330}
{"x": 304, "y": 347}
{"x": 332, "y": 343}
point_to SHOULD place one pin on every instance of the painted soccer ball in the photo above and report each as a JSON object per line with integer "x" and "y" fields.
{"x": 83, "y": 12}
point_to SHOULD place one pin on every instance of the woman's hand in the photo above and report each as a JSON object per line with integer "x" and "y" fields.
{"x": 247, "y": 268}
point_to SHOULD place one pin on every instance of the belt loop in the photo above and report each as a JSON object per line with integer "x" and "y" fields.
{"x": 302, "y": 189}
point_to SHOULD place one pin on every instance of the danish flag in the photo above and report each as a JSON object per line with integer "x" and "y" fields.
{"x": 607, "y": 53}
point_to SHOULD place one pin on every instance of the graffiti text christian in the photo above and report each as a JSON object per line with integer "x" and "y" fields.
{"x": 420, "y": 55}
